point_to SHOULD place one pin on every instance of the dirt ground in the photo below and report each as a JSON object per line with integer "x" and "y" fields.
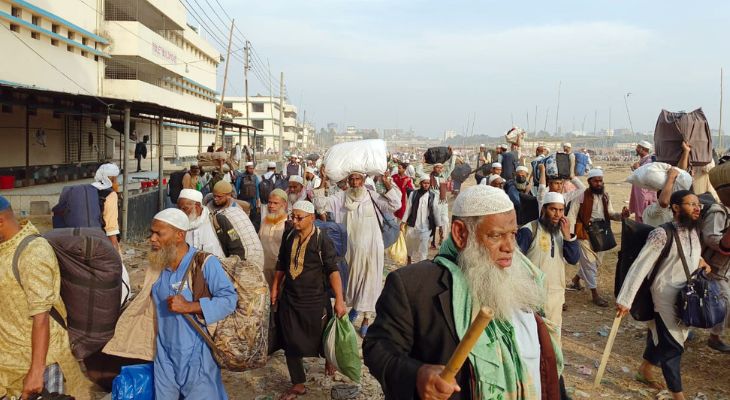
{"x": 704, "y": 371}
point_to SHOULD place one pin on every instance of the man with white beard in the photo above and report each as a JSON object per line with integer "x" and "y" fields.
{"x": 296, "y": 191}
{"x": 201, "y": 235}
{"x": 362, "y": 213}
{"x": 426, "y": 309}
{"x": 273, "y": 225}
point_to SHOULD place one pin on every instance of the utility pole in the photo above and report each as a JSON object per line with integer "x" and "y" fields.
{"x": 557, "y": 111}
{"x": 281, "y": 115}
{"x": 223, "y": 92}
{"x": 544, "y": 128}
{"x": 535, "y": 124}
{"x": 626, "y": 102}
{"x": 246, "y": 68}
{"x": 271, "y": 107}
{"x": 719, "y": 129}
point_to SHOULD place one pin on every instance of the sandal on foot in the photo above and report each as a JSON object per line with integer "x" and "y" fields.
{"x": 600, "y": 302}
{"x": 574, "y": 287}
{"x": 653, "y": 383}
{"x": 292, "y": 394}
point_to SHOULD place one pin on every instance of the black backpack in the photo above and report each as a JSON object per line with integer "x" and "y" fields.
{"x": 246, "y": 187}
{"x": 175, "y": 185}
{"x": 266, "y": 186}
{"x": 633, "y": 238}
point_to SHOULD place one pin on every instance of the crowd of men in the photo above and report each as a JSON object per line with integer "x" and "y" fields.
{"x": 412, "y": 323}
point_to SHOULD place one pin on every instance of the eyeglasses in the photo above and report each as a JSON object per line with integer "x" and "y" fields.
{"x": 694, "y": 205}
{"x": 298, "y": 218}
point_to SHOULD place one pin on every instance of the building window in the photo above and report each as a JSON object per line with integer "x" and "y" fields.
{"x": 257, "y": 107}
{"x": 54, "y": 42}
{"x": 258, "y": 123}
{"x": 70, "y": 48}
{"x": 84, "y": 41}
{"x": 14, "y": 28}
{"x": 54, "y": 28}
{"x": 17, "y": 12}
{"x": 36, "y": 20}
{"x": 70, "y": 35}
{"x": 35, "y": 35}
{"x": 84, "y": 53}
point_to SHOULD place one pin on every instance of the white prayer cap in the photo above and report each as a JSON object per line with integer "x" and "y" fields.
{"x": 482, "y": 145}
{"x": 174, "y": 217}
{"x": 303, "y": 205}
{"x": 522, "y": 168}
{"x": 271, "y": 164}
{"x": 504, "y": 146}
{"x": 496, "y": 165}
{"x": 310, "y": 170}
{"x": 293, "y": 156}
{"x": 553, "y": 197}
{"x": 438, "y": 164}
{"x": 423, "y": 178}
{"x": 191, "y": 194}
{"x": 480, "y": 200}
{"x": 566, "y": 144}
{"x": 249, "y": 164}
{"x": 645, "y": 145}
{"x": 101, "y": 178}
{"x": 296, "y": 178}
{"x": 493, "y": 178}
{"x": 595, "y": 172}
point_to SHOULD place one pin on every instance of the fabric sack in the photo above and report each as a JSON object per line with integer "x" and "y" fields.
{"x": 341, "y": 349}
{"x": 365, "y": 156}
{"x": 653, "y": 176}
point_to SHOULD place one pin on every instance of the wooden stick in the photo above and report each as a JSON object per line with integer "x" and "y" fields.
{"x": 467, "y": 343}
{"x": 607, "y": 352}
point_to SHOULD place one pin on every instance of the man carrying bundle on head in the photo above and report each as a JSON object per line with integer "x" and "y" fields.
{"x": 641, "y": 198}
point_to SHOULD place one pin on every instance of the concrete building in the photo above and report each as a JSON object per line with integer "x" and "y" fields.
{"x": 71, "y": 66}
{"x": 264, "y": 115}
{"x": 448, "y": 134}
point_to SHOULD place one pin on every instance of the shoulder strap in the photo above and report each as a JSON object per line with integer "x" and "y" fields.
{"x": 380, "y": 223}
{"x": 16, "y": 272}
{"x": 193, "y": 322}
{"x": 533, "y": 228}
{"x": 668, "y": 230}
{"x": 681, "y": 255}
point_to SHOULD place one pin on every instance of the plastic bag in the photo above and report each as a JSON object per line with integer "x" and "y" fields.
{"x": 398, "y": 251}
{"x": 653, "y": 176}
{"x": 134, "y": 382}
{"x": 435, "y": 155}
{"x": 366, "y": 156}
{"x": 340, "y": 347}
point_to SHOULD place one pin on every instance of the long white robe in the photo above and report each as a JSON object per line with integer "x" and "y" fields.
{"x": 365, "y": 250}
{"x": 202, "y": 235}
{"x": 417, "y": 236}
{"x": 669, "y": 280}
{"x": 271, "y": 235}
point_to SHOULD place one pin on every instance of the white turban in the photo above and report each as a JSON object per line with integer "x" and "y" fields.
{"x": 553, "y": 197}
{"x": 480, "y": 200}
{"x": 101, "y": 179}
{"x": 303, "y": 205}
{"x": 191, "y": 194}
{"x": 645, "y": 145}
{"x": 522, "y": 168}
{"x": 271, "y": 165}
{"x": 174, "y": 217}
{"x": 296, "y": 178}
{"x": 496, "y": 165}
{"x": 595, "y": 172}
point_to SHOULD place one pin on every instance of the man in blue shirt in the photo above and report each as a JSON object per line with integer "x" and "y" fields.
{"x": 184, "y": 365}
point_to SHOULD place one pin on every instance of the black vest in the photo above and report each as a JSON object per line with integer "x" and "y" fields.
{"x": 414, "y": 209}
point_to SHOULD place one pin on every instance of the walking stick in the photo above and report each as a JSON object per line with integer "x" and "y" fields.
{"x": 607, "y": 352}
{"x": 467, "y": 343}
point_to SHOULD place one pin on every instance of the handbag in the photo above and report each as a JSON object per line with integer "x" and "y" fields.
{"x": 389, "y": 227}
{"x": 601, "y": 236}
{"x": 700, "y": 303}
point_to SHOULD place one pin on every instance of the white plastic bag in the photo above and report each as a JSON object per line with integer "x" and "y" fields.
{"x": 653, "y": 176}
{"x": 366, "y": 156}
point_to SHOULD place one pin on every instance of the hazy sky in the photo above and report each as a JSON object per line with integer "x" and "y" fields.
{"x": 431, "y": 65}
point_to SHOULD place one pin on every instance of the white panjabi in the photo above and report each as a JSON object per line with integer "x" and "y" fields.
{"x": 480, "y": 200}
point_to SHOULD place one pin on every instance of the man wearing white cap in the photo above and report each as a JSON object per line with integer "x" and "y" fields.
{"x": 105, "y": 181}
{"x": 484, "y": 156}
{"x": 201, "y": 234}
{"x": 270, "y": 180}
{"x": 557, "y": 184}
{"x": 296, "y": 191}
{"x": 496, "y": 168}
{"x": 592, "y": 206}
{"x": 439, "y": 187}
{"x": 184, "y": 366}
{"x": 293, "y": 167}
{"x": 247, "y": 189}
{"x": 307, "y": 260}
{"x": 422, "y": 215}
{"x": 521, "y": 182}
{"x": 550, "y": 245}
{"x": 311, "y": 180}
{"x": 641, "y": 198}
{"x": 361, "y": 211}
{"x": 426, "y": 309}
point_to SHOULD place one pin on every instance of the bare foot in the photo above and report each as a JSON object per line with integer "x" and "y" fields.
{"x": 329, "y": 369}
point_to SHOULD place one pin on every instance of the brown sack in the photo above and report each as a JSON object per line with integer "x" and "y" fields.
{"x": 674, "y": 128}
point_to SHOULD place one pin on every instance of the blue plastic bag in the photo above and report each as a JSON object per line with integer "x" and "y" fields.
{"x": 135, "y": 382}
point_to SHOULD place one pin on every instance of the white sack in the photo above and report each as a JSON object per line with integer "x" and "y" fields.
{"x": 653, "y": 176}
{"x": 366, "y": 156}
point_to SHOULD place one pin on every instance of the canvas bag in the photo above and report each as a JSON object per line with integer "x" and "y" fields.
{"x": 673, "y": 128}
{"x": 239, "y": 341}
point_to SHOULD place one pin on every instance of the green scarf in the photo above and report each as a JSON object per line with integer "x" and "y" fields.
{"x": 495, "y": 358}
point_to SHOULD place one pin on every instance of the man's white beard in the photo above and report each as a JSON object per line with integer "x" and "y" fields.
{"x": 162, "y": 258}
{"x": 196, "y": 220}
{"x": 356, "y": 192}
{"x": 506, "y": 291}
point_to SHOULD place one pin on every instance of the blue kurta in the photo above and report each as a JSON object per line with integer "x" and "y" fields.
{"x": 184, "y": 365}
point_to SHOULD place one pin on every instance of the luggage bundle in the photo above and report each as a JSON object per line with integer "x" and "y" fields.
{"x": 91, "y": 285}
{"x": 366, "y": 156}
{"x": 436, "y": 155}
{"x": 514, "y": 135}
{"x": 461, "y": 172}
{"x": 239, "y": 341}
{"x": 581, "y": 163}
{"x": 175, "y": 185}
{"x": 79, "y": 206}
{"x": 653, "y": 176}
{"x": 673, "y": 128}
{"x": 556, "y": 165}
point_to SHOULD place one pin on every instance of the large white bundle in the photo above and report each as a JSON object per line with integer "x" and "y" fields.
{"x": 653, "y": 176}
{"x": 366, "y": 156}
